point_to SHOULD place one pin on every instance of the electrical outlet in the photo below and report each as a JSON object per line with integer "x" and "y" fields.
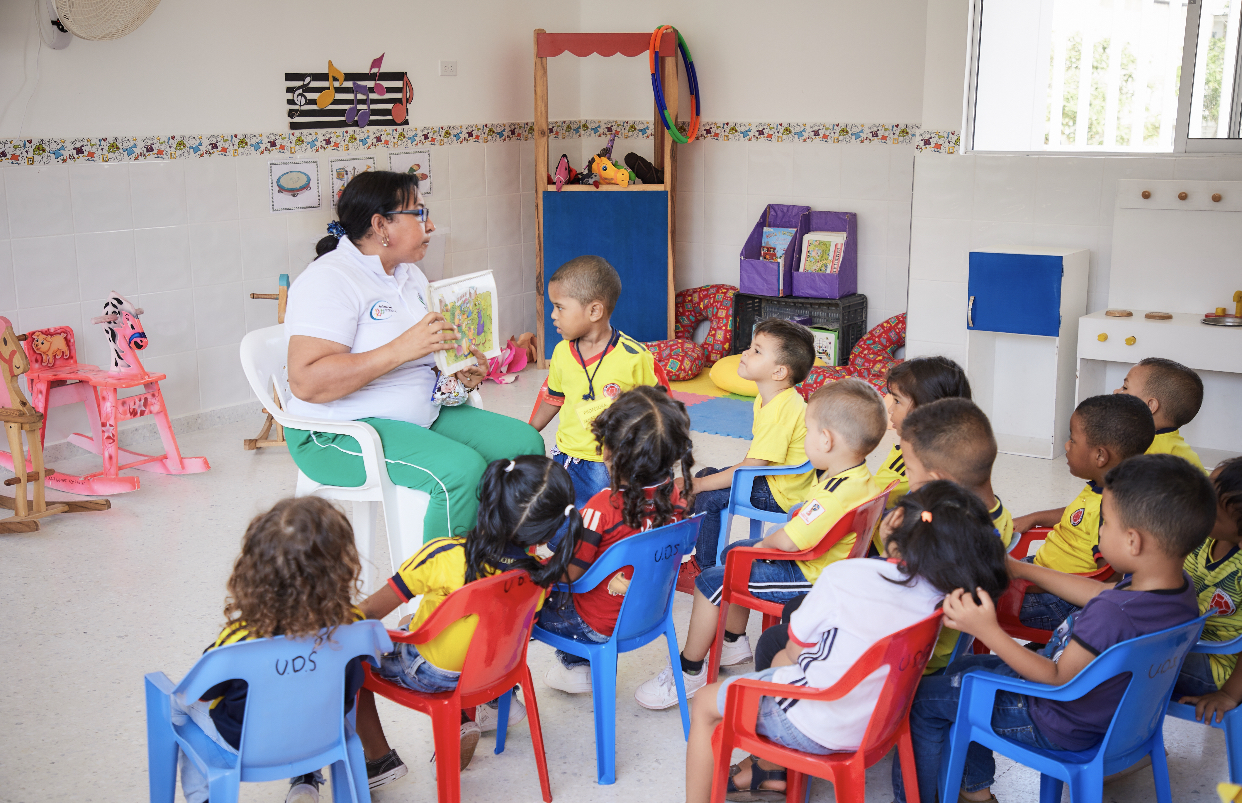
{"x": 448, "y": 69}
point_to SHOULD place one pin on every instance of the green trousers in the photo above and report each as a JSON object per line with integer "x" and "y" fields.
{"x": 446, "y": 460}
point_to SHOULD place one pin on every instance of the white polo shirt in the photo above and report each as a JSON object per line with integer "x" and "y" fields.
{"x": 348, "y": 298}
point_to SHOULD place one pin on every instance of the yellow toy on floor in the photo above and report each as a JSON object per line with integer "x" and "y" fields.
{"x": 608, "y": 172}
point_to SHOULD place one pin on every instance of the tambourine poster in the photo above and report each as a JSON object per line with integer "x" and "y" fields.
{"x": 293, "y": 185}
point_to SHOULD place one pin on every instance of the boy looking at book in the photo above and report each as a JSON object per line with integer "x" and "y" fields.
{"x": 592, "y": 365}
{"x": 1174, "y": 394}
{"x": 844, "y": 422}
{"x": 1104, "y": 431}
{"x": 780, "y": 356}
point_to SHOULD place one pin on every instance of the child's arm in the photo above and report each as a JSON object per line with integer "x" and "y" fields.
{"x": 724, "y": 479}
{"x": 380, "y": 604}
{"x": 1072, "y": 588}
{"x": 962, "y": 613}
{"x": 779, "y": 540}
{"x": 1043, "y": 518}
{"x": 544, "y": 415}
{"x": 1219, "y": 702}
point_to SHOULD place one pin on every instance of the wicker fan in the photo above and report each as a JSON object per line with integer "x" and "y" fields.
{"x": 104, "y": 19}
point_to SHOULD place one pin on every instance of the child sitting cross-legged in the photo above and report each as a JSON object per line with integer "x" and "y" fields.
{"x": 1104, "y": 431}
{"x": 644, "y": 435}
{"x": 1157, "y": 508}
{"x": 1213, "y": 683}
{"x": 844, "y": 422}
{"x": 945, "y": 542}
{"x": 780, "y": 356}
{"x": 1174, "y": 394}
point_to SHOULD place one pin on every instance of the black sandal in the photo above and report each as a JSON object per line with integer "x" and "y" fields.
{"x": 757, "y": 776}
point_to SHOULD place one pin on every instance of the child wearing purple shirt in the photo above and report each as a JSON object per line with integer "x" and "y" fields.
{"x": 1156, "y": 510}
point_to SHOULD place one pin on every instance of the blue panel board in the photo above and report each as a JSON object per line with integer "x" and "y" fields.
{"x": 630, "y": 230}
{"x": 1018, "y": 293}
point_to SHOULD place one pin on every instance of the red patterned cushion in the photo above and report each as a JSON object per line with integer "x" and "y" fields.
{"x": 680, "y": 359}
{"x": 870, "y": 358}
{"x": 711, "y": 303}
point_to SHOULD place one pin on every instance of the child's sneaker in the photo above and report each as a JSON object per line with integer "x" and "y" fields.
{"x": 470, "y": 732}
{"x": 737, "y": 652}
{"x": 686, "y": 576}
{"x": 661, "y": 691}
{"x": 385, "y": 769}
{"x": 303, "y": 789}
{"x": 488, "y": 716}
{"x": 569, "y": 679}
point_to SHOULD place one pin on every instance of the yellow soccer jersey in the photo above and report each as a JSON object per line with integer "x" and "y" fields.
{"x": 588, "y": 388}
{"x": 1219, "y": 588}
{"x": 1071, "y": 545}
{"x": 893, "y": 470}
{"x": 1003, "y": 522}
{"x": 779, "y": 436}
{"x": 435, "y": 571}
{"x": 829, "y": 500}
{"x": 1170, "y": 441}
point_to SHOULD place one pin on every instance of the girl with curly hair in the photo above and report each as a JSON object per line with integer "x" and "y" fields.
{"x": 643, "y": 436}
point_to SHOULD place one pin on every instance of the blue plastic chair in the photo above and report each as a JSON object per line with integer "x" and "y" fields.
{"x": 1153, "y": 662}
{"x": 1232, "y": 725}
{"x": 646, "y": 614}
{"x": 739, "y": 502}
{"x": 293, "y": 724}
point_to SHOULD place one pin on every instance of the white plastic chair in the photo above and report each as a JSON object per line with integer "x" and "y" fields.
{"x": 264, "y": 353}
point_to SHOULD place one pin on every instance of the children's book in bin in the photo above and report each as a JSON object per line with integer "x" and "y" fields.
{"x": 822, "y": 251}
{"x": 775, "y": 242}
{"x": 470, "y": 304}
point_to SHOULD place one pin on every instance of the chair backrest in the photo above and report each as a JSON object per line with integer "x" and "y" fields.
{"x": 295, "y": 690}
{"x": 51, "y": 347}
{"x": 504, "y": 607}
{"x": 866, "y": 518}
{"x": 264, "y": 354}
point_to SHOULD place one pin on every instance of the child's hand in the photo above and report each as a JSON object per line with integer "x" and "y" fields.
{"x": 618, "y": 585}
{"x": 961, "y": 612}
{"x": 1023, "y": 523}
{"x": 1217, "y": 703}
{"x": 891, "y": 522}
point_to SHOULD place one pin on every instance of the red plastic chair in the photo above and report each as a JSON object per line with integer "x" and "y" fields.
{"x": 905, "y": 653}
{"x": 736, "y": 589}
{"x": 495, "y": 663}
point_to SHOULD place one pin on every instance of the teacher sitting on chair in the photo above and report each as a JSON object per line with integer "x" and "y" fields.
{"x": 361, "y": 347}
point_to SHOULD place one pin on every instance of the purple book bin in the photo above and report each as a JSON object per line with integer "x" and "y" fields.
{"x": 772, "y": 278}
{"x": 825, "y": 285}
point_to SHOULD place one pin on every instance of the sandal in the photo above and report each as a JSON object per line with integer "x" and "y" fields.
{"x": 962, "y": 799}
{"x": 757, "y": 776}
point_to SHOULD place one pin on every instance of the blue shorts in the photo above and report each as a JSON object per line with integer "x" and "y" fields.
{"x": 559, "y": 616}
{"x": 406, "y": 666}
{"x": 1196, "y": 678}
{"x": 772, "y": 722}
{"x": 772, "y": 580}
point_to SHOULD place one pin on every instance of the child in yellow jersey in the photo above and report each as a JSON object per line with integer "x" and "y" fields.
{"x": 1174, "y": 394}
{"x": 592, "y": 365}
{"x": 523, "y": 503}
{"x": 780, "y": 356}
{"x": 295, "y": 577}
{"x": 911, "y": 384}
{"x": 844, "y": 422}
{"x": 1213, "y": 683}
{"x": 1104, "y": 431}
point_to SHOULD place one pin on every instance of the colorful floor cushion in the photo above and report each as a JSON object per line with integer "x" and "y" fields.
{"x": 714, "y": 303}
{"x": 724, "y": 375}
{"x": 680, "y": 359}
{"x": 870, "y": 358}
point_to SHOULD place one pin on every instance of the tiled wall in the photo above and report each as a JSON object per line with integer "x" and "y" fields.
{"x": 975, "y": 202}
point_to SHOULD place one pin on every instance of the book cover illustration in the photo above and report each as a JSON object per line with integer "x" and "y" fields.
{"x": 775, "y": 243}
{"x": 469, "y": 304}
{"x": 822, "y": 251}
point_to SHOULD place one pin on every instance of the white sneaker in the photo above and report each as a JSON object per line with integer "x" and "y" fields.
{"x": 738, "y": 652}
{"x": 488, "y": 716}
{"x": 303, "y": 789}
{"x": 571, "y": 680}
{"x": 661, "y": 691}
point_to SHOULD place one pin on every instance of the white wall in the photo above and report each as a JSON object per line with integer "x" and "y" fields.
{"x": 944, "y": 73}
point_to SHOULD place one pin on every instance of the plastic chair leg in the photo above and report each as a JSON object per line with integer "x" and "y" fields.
{"x": 1233, "y": 747}
{"x": 604, "y": 702}
{"x": 670, "y": 635}
{"x": 502, "y": 720}
{"x": 952, "y": 769}
{"x": 1050, "y": 790}
{"x": 909, "y": 775}
{"x": 224, "y": 788}
{"x": 756, "y": 529}
{"x": 797, "y": 786}
{"x": 446, "y": 726}
{"x": 161, "y": 747}
{"x": 722, "y": 540}
{"x": 355, "y": 773}
{"x": 364, "y": 515}
{"x": 1160, "y": 769}
{"x": 536, "y": 735}
{"x": 713, "y": 655}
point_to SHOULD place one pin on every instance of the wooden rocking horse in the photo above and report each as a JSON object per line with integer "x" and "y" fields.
{"x": 281, "y": 297}
{"x": 19, "y": 418}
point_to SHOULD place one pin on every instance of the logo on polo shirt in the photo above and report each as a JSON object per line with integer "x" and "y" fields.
{"x": 381, "y": 310}
{"x": 612, "y": 390}
{"x": 1076, "y": 517}
{"x": 1221, "y": 604}
{"x": 811, "y": 512}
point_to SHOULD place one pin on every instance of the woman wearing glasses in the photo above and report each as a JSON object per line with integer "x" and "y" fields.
{"x": 361, "y": 347}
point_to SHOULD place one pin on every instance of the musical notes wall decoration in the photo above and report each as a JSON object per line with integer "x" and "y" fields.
{"x": 348, "y": 99}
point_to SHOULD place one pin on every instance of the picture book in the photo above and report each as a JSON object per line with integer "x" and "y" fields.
{"x": 826, "y": 344}
{"x": 470, "y": 304}
{"x": 822, "y": 251}
{"x": 775, "y": 243}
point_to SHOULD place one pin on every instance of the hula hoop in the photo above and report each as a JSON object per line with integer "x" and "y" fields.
{"x": 692, "y": 78}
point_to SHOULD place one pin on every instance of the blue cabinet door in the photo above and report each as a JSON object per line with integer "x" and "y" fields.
{"x": 1016, "y": 293}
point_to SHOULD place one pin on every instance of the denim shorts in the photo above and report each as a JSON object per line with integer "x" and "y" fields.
{"x": 406, "y": 666}
{"x": 1196, "y": 677}
{"x": 773, "y": 580}
{"x": 589, "y": 478}
{"x": 772, "y": 722}
{"x": 559, "y": 617}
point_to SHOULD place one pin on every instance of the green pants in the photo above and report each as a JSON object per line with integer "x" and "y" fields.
{"x": 446, "y": 460}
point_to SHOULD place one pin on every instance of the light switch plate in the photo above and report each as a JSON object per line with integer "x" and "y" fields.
{"x": 448, "y": 69}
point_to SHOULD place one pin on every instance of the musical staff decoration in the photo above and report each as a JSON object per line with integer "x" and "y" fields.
{"x": 348, "y": 99}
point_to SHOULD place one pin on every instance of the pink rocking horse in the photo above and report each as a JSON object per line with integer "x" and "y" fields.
{"x": 56, "y": 379}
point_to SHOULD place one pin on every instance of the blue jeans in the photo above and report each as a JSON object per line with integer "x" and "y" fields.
{"x": 933, "y": 714}
{"x": 559, "y": 617}
{"x": 774, "y": 580}
{"x": 1196, "y": 677}
{"x": 712, "y": 503}
{"x": 772, "y": 722}
{"x": 406, "y": 666}
{"x": 1045, "y": 611}
{"x": 589, "y": 478}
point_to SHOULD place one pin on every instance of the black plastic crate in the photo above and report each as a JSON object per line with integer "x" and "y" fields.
{"x": 847, "y": 315}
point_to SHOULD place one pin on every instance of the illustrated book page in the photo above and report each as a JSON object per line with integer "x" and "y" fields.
{"x": 470, "y": 304}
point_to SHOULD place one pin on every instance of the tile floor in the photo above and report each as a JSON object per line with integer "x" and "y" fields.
{"x": 141, "y": 588}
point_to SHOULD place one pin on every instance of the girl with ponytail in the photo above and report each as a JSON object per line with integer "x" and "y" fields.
{"x": 644, "y": 436}
{"x": 522, "y": 504}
